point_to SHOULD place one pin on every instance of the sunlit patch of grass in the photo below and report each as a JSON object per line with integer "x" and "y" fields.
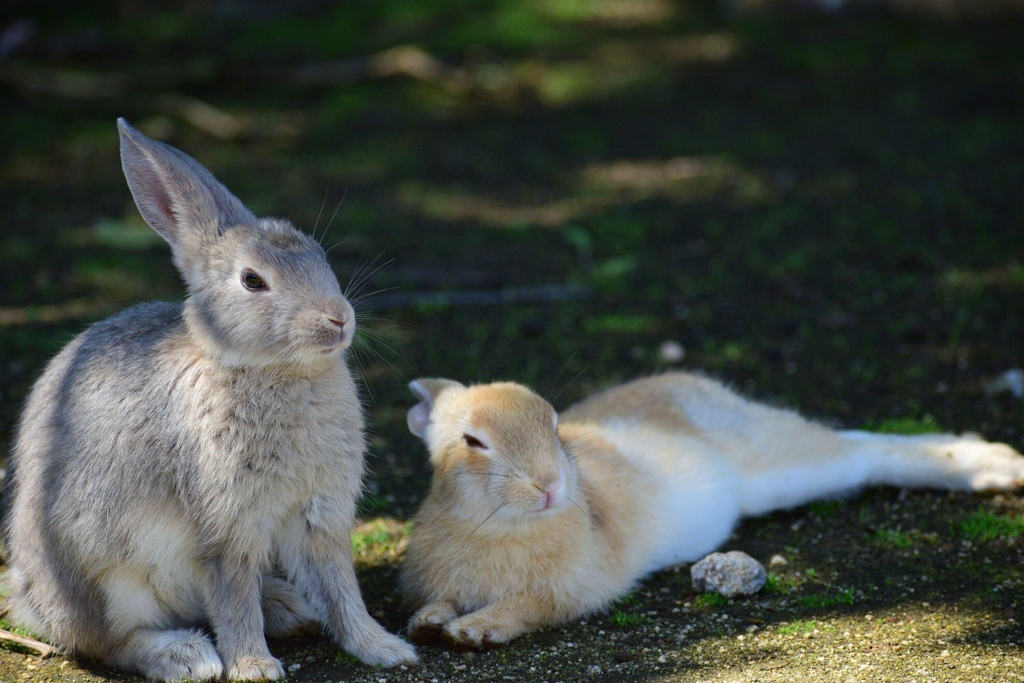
{"x": 685, "y": 178}
{"x": 988, "y": 526}
{"x": 598, "y": 188}
{"x": 130, "y": 234}
{"x": 380, "y": 541}
{"x": 1010, "y": 275}
{"x": 905, "y": 425}
{"x": 797, "y": 627}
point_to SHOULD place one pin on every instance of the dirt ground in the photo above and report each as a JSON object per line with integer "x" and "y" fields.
{"x": 822, "y": 210}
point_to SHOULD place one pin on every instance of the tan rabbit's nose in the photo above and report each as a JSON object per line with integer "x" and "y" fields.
{"x": 553, "y": 491}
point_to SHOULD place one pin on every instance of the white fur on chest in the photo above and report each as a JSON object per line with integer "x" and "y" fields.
{"x": 694, "y": 507}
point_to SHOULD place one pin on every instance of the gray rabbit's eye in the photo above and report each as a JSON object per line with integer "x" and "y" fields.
{"x": 253, "y": 282}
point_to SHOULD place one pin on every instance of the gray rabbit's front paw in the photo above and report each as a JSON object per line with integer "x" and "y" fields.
{"x": 251, "y": 668}
{"x": 380, "y": 647}
{"x": 171, "y": 656}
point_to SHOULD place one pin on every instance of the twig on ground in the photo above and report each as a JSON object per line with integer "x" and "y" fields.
{"x": 42, "y": 648}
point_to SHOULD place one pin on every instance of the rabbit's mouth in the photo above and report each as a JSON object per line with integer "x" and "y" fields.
{"x": 338, "y": 345}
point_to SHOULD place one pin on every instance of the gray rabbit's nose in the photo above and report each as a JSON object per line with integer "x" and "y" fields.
{"x": 339, "y": 323}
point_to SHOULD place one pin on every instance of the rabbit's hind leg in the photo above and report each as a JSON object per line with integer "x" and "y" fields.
{"x": 285, "y": 611}
{"x": 169, "y": 655}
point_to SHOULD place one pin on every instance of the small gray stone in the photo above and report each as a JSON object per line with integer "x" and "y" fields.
{"x": 671, "y": 352}
{"x": 732, "y": 573}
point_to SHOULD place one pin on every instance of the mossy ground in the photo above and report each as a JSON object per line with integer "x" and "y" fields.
{"x": 824, "y": 211}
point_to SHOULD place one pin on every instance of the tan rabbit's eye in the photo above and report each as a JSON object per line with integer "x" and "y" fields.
{"x": 253, "y": 282}
{"x": 474, "y": 442}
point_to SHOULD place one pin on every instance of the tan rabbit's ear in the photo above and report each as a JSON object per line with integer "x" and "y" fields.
{"x": 426, "y": 390}
{"x": 179, "y": 198}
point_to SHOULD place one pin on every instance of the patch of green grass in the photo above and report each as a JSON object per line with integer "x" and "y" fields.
{"x": 827, "y": 508}
{"x": 988, "y": 526}
{"x": 345, "y": 658}
{"x": 617, "y": 323}
{"x": 611, "y": 274}
{"x": 628, "y": 599}
{"x": 711, "y": 600}
{"x": 843, "y": 597}
{"x": 891, "y": 538}
{"x": 905, "y": 426}
{"x": 379, "y": 539}
{"x": 777, "y": 584}
{"x": 362, "y": 541}
{"x": 620, "y": 618}
{"x": 797, "y": 627}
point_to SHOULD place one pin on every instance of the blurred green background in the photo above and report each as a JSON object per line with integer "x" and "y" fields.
{"x": 822, "y": 209}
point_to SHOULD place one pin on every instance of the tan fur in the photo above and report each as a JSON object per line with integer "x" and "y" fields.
{"x": 656, "y": 472}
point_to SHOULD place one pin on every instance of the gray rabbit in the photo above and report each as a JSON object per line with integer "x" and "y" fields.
{"x": 173, "y": 456}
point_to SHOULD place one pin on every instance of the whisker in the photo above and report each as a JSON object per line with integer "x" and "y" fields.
{"x": 359, "y": 361}
{"x": 320, "y": 212}
{"x": 559, "y": 375}
{"x": 570, "y": 383}
{"x": 357, "y": 278}
{"x": 577, "y": 505}
{"x": 363, "y": 297}
{"x": 380, "y": 339}
{"x": 386, "y": 362}
{"x": 340, "y": 202}
{"x": 486, "y": 519}
{"x": 356, "y": 285}
{"x": 429, "y": 470}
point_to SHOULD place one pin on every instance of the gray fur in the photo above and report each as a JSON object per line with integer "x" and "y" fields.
{"x": 173, "y": 455}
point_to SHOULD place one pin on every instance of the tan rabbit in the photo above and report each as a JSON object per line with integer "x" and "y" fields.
{"x": 534, "y": 518}
{"x": 175, "y": 455}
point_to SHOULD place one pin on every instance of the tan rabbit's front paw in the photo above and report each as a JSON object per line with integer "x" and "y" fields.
{"x": 476, "y": 630}
{"x": 427, "y": 626}
{"x": 255, "y": 669}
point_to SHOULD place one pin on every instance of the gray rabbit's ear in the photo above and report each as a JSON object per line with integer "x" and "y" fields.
{"x": 426, "y": 390}
{"x": 179, "y": 198}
